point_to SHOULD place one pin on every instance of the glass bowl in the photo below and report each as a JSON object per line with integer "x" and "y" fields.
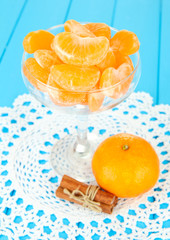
{"x": 75, "y": 160}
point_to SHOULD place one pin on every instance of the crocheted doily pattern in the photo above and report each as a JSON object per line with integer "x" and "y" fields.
{"x": 29, "y": 208}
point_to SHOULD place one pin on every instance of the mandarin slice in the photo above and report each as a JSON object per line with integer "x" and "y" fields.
{"x": 99, "y": 29}
{"x": 75, "y": 78}
{"x": 95, "y": 100}
{"x": 85, "y": 101}
{"x": 126, "y": 70}
{"x": 120, "y": 59}
{"x": 112, "y": 76}
{"x": 62, "y": 97}
{"x": 46, "y": 58}
{"x": 125, "y": 42}
{"x": 77, "y": 28}
{"x": 76, "y": 50}
{"x": 36, "y": 40}
{"x": 108, "y": 61}
{"x": 35, "y": 74}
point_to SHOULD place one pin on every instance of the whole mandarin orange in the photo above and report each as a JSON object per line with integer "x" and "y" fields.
{"x": 125, "y": 165}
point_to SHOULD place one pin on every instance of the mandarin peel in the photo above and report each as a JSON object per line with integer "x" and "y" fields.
{"x": 125, "y": 147}
{"x": 125, "y": 172}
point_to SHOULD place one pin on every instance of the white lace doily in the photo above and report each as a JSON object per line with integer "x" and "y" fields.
{"x": 28, "y": 206}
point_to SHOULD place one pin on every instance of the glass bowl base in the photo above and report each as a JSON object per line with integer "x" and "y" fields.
{"x": 70, "y": 158}
{"x": 47, "y": 151}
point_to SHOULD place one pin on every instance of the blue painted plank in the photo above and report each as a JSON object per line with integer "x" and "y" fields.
{"x": 142, "y": 17}
{"x": 92, "y": 11}
{"x": 9, "y": 15}
{"x": 37, "y": 15}
{"x": 164, "y": 76}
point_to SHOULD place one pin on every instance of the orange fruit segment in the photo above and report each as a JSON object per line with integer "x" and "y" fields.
{"x": 35, "y": 74}
{"x": 76, "y": 50}
{"x": 108, "y": 61}
{"x": 75, "y": 78}
{"x": 99, "y": 29}
{"x": 125, "y": 165}
{"x": 125, "y": 42}
{"x": 85, "y": 100}
{"x": 120, "y": 59}
{"x": 62, "y": 97}
{"x": 95, "y": 101}
{"x": 111, "y": 76}
{"x": 36, "y": 40}
{"x": 77, "y": 28}
{"x": 46, "y": 58}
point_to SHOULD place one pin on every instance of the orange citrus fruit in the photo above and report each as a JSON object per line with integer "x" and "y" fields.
{"x": 40, "y": 39}
{"x": 46, "y": 58}
{"x": 35, "y": 74}
{"x": 125, "y": 42}
{"x": 125, "y": 165}
{"x": 77, "y": 28}
{"x": 108, "y": 61}
{"x": 62, "y": 97}
{"x": 120, "y": 59}
{"x": 73, "y": 49}
{"x": 75, "y": 78}
{"x": 99, "y": 29}
{"x": 95, "y": 99}
{"x": 112, "y": 77}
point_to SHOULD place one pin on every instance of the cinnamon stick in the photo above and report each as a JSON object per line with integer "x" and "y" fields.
{"x": 105, "y": 207}
{"x": 101, "y": 196}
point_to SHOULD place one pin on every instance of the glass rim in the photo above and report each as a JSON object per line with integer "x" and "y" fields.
{"x": 76, "y": 92}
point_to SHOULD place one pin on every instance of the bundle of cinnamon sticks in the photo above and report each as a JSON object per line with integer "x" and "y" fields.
{"x": 105, "y": 200}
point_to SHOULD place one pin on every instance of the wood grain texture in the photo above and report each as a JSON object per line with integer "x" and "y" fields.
{"x": 142, "y": 17}
{"x": 164, "y": 71}
{"x": 92, "y": 11}
{"x": 149, "y": 19}
{"x": 37, "y": 15}
{"x": 10, "y": 13}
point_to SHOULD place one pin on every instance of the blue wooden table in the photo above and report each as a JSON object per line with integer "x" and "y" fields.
{"x": 149, "y": 19}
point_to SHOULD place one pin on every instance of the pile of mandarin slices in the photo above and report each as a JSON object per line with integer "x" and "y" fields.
{"x": 82, "y": 64}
